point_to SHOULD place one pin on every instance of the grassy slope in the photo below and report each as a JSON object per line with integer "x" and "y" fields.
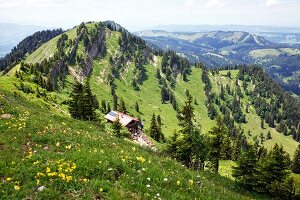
{"x": 149, "y": 94}
{"x": 253, "y": 120}
{"x": 32, "y": 150}
{"x": 48, "y": 49}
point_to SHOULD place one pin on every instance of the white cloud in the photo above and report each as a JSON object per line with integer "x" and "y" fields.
{"x": 30, "y": 3}
{"x": 270, "y": 3}
{"x": 215, "y": 4}
{"x": 189, "y": 3}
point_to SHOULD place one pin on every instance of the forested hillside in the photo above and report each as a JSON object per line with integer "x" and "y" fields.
{"x": 195, "y": 116}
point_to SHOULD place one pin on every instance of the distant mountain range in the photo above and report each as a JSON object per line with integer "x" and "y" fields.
{"x": 272, "y": 33}
{"x": 227, "y": 48}
{"x": 12, "y": 34}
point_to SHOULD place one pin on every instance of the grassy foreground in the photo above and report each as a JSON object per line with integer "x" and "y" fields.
{"x": 47, "y": 155}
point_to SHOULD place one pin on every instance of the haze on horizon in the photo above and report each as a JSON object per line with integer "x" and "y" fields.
{"x": 137, "y": 14}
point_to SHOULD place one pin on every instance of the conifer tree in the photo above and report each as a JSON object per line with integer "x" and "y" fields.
{"x": 296, "y": 161}
{"x": 262, "y": 123}
{"x": 173, "y": 145}
{"x": 272, "y": 169}
{"x": 115, "y": 102}
{"x": 122, "y": 107}
{"x": 108, "y": 107}
{"x": 76, "y": 97}
{"x": 83, "y": 103}
{"x": 117, "y": 126}
{"x": 158, "y": 120}
{"x": 137, "y": 107}
{"x": 191, "y": 147}
{"x": 154, "y": 130}
{"x": 246, "y": 170}
{"x": 90, "y": 102}
{"x": 269, "y": 136}
{"x": 103, "y": 106}
{"x": 216, "y": 141}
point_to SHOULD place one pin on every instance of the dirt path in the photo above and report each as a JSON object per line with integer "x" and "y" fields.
{"x": 143, "y": 140}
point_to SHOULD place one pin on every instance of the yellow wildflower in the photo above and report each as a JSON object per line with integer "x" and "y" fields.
{"x": 8, "y": 179}
{"x": 191, "y": 182}
{"x": 68, "y": 146}
{"x": 48, "y": 169}
{"x": 141, "y": 159}
{"x": 101, "y": 189}
{"x": 57, "y": 144}
{"x": 36, "y": 162}
{"x": 68, "y": 178}
{"x": 17, "y": 187}
{"x": 178, "y": 182}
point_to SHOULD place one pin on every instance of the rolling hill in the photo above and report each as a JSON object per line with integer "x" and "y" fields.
{"x": 119, "y": 66}
{"x": 219, "y": 48}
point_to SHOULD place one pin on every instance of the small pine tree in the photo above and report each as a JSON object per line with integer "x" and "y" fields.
{"x": 154, "y": 130}
{"x": 296, "y": 161}
{"x": 117, "y": 126}
{"x": 269, "y": 136}
{"x": 272, "y": 169}
{"x": 115, "y": 102}
{"x": 103, "y": 106}
{"x": 173, "y": 145}
{"x": 246, "y": 169}
{"x": 262, "y": 123}
{"x": 159, "y": 120}
{"x": 108, "y": 107}
{"x": 122, "y": 107}
{"x": 216, "y": 141}
{"x": 191, "y": 148}
{"x": 137, "y": 107}
{"x": 75, "y": 101}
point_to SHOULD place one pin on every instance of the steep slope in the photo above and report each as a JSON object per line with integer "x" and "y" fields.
{"x": 104, "y": 78}
{"x": 119, "y": 66}
{"x": 65, "y": 158}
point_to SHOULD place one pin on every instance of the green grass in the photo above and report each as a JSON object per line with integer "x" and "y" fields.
{"x": 253, "y": 120}
{"x": 48, "y": 49}
{"x": 40, "y": 146}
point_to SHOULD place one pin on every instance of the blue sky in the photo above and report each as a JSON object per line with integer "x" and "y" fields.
{"x": 138, "y": 14}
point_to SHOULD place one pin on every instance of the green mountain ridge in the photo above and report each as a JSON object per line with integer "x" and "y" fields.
{"x": 229, "y": 48}
{"x": 120, "y": 65}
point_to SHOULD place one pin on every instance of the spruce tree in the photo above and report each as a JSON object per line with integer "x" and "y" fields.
{"x": 122, "y": 107}
{"x": 158, "y": 120}
{"x": 83, "y": 103}
{"x": 115, "y": 102}
{"x": 103, "y": 106}
{"x": 76, "y": 97}
{"x": 216, "y": 141}
{"x": 173, "y": 145}
{"x": 117, "y": 126}
{"x": 108, "y": 107}
{"x": 269, "y": 136}
{"x": 191, "y": 147}
{"x": 154, "y": 130}
{"x": 296, "y": 161}
{"x": 272, "y": 169}
{"x": 262, "y": 123}
{"x": 246, "y": 169}
{"x": 90, "y": 102}
{"x": 137, "y": 107}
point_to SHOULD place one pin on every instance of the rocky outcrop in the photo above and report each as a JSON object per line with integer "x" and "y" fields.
{"x": 97, "y": 47}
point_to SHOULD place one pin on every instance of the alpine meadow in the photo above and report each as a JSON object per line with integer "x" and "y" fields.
{"x": 100, "y": 112}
